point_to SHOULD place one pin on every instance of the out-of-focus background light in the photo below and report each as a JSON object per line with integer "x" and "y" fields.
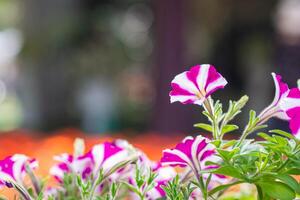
{"x": 106, "y": 66}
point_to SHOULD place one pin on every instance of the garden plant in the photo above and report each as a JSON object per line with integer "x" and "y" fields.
{"x": 196, "y": 168}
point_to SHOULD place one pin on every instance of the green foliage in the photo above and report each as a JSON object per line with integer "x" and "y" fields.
{"x": 176, "y": 191}
{"x": 143, "y": 182}
{"x": 269, "y": 165}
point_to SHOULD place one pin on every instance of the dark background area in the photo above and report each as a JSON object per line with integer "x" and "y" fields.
{"x": 106, "y": 66}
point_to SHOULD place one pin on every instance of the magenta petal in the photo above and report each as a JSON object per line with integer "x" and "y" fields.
{"x": 6, "y": 166}
{"x": 195, "y": 85}
{"x": 207, "y": 154}
{"x": 169, "y": 157}
{"x": 282, "y": 87}
{"x": 193, "y": 74}
{"x": 178, "y": 91}
{"x": 295, "y": 125}
{"x": 212, "y": 76}
{"x": 110, "y": 149}
{"x": 294, "y": 93}
{"x": 188, "y": 152}
{"x": 14, "y": 166}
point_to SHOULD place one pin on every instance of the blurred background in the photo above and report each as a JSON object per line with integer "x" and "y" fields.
{"x": 105, "y": 66}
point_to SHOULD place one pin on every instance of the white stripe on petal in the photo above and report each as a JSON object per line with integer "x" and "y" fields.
{"x": 114, "y": 159}
{"x": 202, "y": 76}
{"x": 199, "y": 101}
{"x": 153, "y": 194}
{"x": 62, "y": 158}
{"x": 56, "y": 171}
{"x": 165, "y": 173}
{"x": 79, "y": 165}
{"x": 98, "y": 156}
{"x": 19, "y": 161}
{"x": 167, "y": 163}
{"x": 216, "y": 83}
{"x": 183, "y": 81}
{"x": 180, "y": 154}
{"x": 194, "y": 148}
{"x": 289, "y": 103}
{"x": 182, "y": 98}
{"x": 210, "y": 158}
{"x": 187, "y": 138}
{"x": 277, "y": 90}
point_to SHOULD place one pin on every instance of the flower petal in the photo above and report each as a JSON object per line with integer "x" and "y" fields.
{"x": 195, "y": 85}
{"x": 192, "y": 152}
{"x": 13, "y": 167}
{"x": 291, "y": 101}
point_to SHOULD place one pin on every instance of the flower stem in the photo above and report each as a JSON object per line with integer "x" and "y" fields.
{"x": 35, "y": 182}
{"x": 23, "y": 192}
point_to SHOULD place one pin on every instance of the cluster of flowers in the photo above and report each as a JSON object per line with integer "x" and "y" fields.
{"x": 96, "y": 172}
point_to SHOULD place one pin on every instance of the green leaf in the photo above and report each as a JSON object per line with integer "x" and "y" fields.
{"x": 216, "y": 143}
{"x": 223, "y": 187}
{"x": 132, "y": 188}
{"x": 203, "y": 126}
{"x": 277, "y": 190}
{"x": 229, "y": 171}
{"x": 226, "y": 155}
{"x": 293, "y": 171}
{"x": 283, "y": 133}
{"x": 229, "y": 144}
{"x": 252, "y": 116}
{"x": 266, "y": 136}
{"x": 228, "y": 128}
{"x": 290, "y": 181}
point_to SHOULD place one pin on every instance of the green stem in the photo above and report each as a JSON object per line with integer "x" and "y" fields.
{"x": 97, "y": 181}
{"x": 207, "y": 104}
{"x": 203, "y": 187}
{"x": 244, "y": 136}
{"x": 259, "y": 193}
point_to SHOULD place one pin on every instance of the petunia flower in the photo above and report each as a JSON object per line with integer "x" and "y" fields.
{"x": 274, "y": 109}
{"x": 81, "y": 165}
{"x": 197, "y": 84}
{"x": 286, "y": 105}
{"x": 164, "y": 174}
{"x": 106, "y": 156}
{"x": 295, "y": 124}
{"x": 14, "y": 168}
{"x": 191, "y": 152}
{"x": 128, "y": 171}
{"x": 291, "y": 106}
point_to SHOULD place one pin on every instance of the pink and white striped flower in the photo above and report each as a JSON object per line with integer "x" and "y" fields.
{"x": 291, "y": 102}
{"x": 286, "y": 105}
{"x": 291, "y": 106}
{"x": 164, "y": 174}
{"x": 274, "y": 109}
{"x": 81, "y": 165}
{"x": 195, "y": 85}
{"x": 295, "y": 123}
{"x": 14, "y": 168}
{"x": 104, "y": 156}
{"x": 191, "y": 152}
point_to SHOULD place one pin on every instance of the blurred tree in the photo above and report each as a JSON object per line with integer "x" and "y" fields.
{"x": 169, "y": 29}
{"x": 49, "y": 28}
